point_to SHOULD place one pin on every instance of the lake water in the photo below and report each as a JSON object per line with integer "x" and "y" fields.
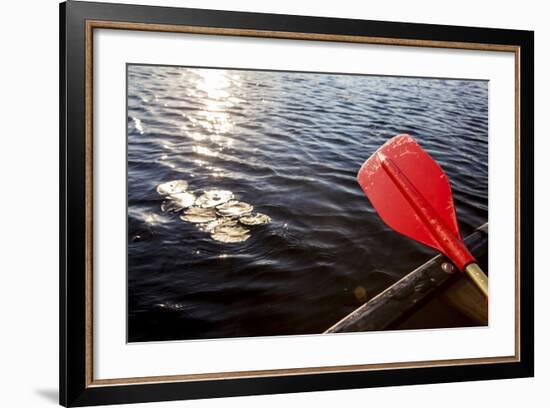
{"x": 290, "y": 145}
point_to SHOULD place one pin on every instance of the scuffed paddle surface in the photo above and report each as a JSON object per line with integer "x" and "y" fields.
{"x": 423, "y": 173}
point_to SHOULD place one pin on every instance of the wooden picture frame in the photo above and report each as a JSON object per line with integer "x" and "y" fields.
{"x": 78, "y": 20}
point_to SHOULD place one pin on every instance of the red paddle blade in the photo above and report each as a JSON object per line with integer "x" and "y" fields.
{"x": 413, "y": 196}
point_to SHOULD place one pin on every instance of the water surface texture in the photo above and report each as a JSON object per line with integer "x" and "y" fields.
{"x": 289, "y": 145}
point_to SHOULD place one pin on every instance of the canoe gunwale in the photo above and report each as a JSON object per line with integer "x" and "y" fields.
{"x": 406, "y": 294}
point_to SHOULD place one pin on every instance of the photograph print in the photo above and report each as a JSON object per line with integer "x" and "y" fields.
{"x": 277, "y": 203}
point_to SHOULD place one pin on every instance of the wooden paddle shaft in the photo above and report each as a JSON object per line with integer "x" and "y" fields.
{"x": 478, "y": 277}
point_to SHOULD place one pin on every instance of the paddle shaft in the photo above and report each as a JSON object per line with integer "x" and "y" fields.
{"x": 478, "y": 277}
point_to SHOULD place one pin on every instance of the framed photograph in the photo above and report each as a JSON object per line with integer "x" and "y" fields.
{"x": 256, "y": 203}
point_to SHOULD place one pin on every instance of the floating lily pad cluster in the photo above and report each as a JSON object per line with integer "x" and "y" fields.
{"x": 216, "y": 212}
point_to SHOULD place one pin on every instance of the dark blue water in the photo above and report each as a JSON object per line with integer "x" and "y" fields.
{"x": 289, "y": 144}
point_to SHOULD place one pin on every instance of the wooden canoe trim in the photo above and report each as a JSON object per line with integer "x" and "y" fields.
{"x": 462, "y": 295}
{"x": 404, "y": 295}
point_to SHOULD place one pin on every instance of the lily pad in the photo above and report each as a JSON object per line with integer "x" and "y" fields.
{"x": 172, "y": 187}
{"x": 255, "y": 219}
{"x": 213, "y": 198}
{"x": 230, "y": 232}
{"x": 234, "y": 209}
{"x": 199, "y": 215}
{"x": 177, "y": 202}
{"x": 212, "y": 225}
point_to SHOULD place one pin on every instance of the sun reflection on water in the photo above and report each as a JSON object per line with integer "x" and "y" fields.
{"x": 210, "y": 127}
{"x": 215, "y": 89}
{"x": 204, "y": 151}
{"x": 213, "y": 82}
